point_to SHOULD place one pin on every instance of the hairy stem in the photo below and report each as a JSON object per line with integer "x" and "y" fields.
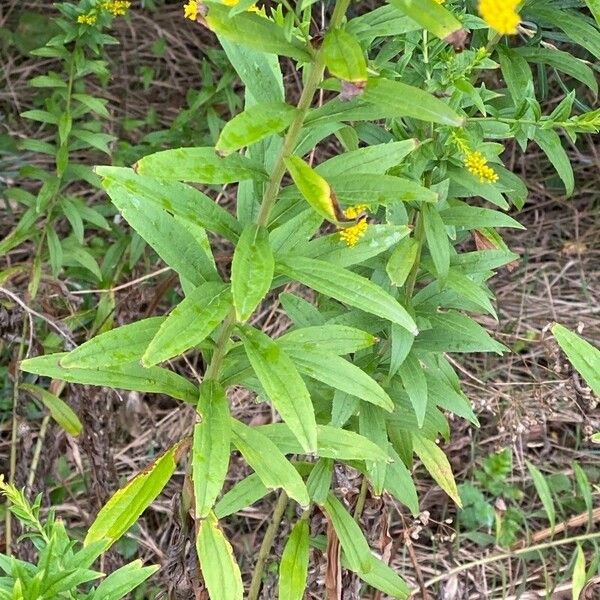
{"x": 265, "y": 547}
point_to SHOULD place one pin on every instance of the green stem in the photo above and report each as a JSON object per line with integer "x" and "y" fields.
{"x": 14, "y": 436}
{"x": 514, "y": 554}
{"x": 315, "y": 75}
{"x": 265, "y": 547}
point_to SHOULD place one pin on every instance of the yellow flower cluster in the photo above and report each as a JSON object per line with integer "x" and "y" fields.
{"x": 116, "y": 7}
{"x": 500, "y": 15}
{"x": 89, "y": 19}
{"x": 351, "y": 235}
{"x": 477, "y": 164}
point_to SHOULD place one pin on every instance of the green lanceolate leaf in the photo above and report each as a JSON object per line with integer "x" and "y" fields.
{"x": 243, "y": 494}
{"x": 123, "y": 581}
{"x": 293, "y": 568}
{"x": 125, "y": 186}
{"x": 118, "y": 346}
{"x": 344, "y": 57}
{"x": 347, "y": 287}
{"x": 168, "y": 237}
{"x": 585, "y": 358}
{"x": 431, "y": 15}
{"x": 437, "y": 240}
{"x": 543, "y": 490}
{"x": 549, "y": 141}
{"x": 399, "y": 483}
{"x": 126, "y": 377}
{"x": 401, "y": 100}
{"x": 251, "y": 270}
{"x": 333, "y": 339}
{"x": 253, "y": 31}
{"x": 371, "y": 160}
{"x": 313, "y": 187}
{"x": 198, "y": 165}
{"x": 194, "y": 318}
{"x": 414, "y": 382}
{"x": 254, "y": 124}
{"x": 401, "y": 260}
{"x": 338, "y": 373}
{"x": 125, "y": 506}
{"x": 220, "y": 570}
{"x": 319, "y": 481}
{"x": 437, "y": 465}
{"x": 269, "y": 463}
{"x": 353, "y": 542}
{"x": 211, "y": 446}
{"x": 283, "y": 385}
{"x": 463, "y": 216}
{"x": 59, "y": 410}
{"x": 332, "y": 442}
{"x": 371, "y": 423}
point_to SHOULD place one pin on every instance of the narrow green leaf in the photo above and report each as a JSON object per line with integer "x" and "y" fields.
{"x": 371, "y": 423}
{"x": 126, "y": 377}
{"x": 293, "y": 569}
{"x": 313, "y": 187}
{"x": 124, "y": 580}
{"x": 126, "y": 505}
{"x": 198, "y": 165}
{"x": 254, "y": 124}
{"x": 118, "y": 346}
{"x": 434, "y": 17}
{"x": 371, "y": 160}
{"x": 579, "y": 574}
{"x": 253, "y": 31}
{"x": 332, "y": 442}
{"x": 269, "y": 463}
{"x": 194, "y": 318}
{"x": 251, "y": 270}
{"x": 220, "y": 570}
{"x": 319, "y": 481}
{"x": 347, "y": 287}
{"x": 584, "y": 357}
{"x": 211, "y": 446}
{"x": 463, "y": 216}
{"x": 436, "y": 463}
{"x": 401, "y": 261}
{"x": 401, "y": 100}
{"x": 333, "y": 339}
{"x": 344, "y": 57}
{"x": 549, "y": 141}
{"x": 437, "y": 239}
{"x": 338, "y": 373}
{"x": 352, "y": 540}
{"x": 243, "y": 494}
{"x": 283, "y": 385}
{"x": 399, "y": 482}
{"x": 543, "y": 490}
{"x": 414, "y": 382}
{"x": 177, "y": 198}
{"x": 59, "y": 410}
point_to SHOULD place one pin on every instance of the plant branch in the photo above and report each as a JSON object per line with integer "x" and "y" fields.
{"x": 265, "y": 547}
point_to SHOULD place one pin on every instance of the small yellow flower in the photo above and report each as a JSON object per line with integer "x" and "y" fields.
{"x": 477, "y": 164}
{"x": 500, "y": 15}
{"x": 89, "y": 19}
{"x": 352, "y": 212}
{"x": 190, "y": 10}
{"x": 352, "y": 234}
{"x": 116, "y": 7}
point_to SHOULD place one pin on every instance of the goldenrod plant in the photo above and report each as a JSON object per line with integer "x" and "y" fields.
{"x": 380, "y": 255}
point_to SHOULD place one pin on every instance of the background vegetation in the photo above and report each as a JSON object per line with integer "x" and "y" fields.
{"x": 138, "y": 79}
